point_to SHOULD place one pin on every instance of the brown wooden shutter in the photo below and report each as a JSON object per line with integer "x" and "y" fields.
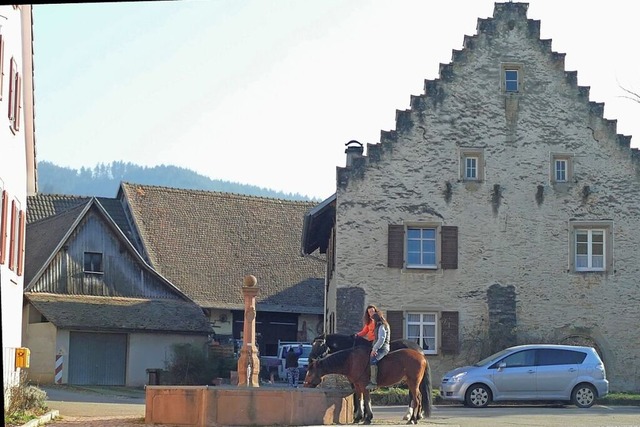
{"x": 18, "y": 103}
{"x": 4, "y": 213}
{"x": 395, "y": 255}
{"x": 396, "y": 323}
{"x": 12, "y": 237}
{"x": 12, "y": 70}
{"x": 449, "y": 332}
{"x": 21, "y": 232}
{"x": 449, "y": 247}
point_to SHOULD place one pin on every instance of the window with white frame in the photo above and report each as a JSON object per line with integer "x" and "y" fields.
{"x": 422, "y": 329}
{"x": 472, "y": 164}
{"x": 421, "y": 247}
{"x": 561, "y": 168}
{"x": 512, "y": 77}
{"x": 511, "y": 80}
{"x": 471, "y": 167}
{"x": 591, "y": 246}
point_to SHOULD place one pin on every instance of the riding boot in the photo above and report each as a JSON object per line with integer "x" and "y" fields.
{"x": 373, "y": 383}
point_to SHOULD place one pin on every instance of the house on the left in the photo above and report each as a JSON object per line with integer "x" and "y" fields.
{"x": 17, "y": 176}
{"x": 95, "y": 311}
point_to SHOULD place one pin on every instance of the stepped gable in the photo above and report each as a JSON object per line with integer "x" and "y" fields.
{"x": 506, "y": 17}
{"x": 205, "y": 242}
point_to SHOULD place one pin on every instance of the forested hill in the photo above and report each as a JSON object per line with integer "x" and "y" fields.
{"x": 104, "y": 180}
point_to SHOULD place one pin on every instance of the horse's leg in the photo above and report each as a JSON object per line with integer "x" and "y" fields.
{"x": 368, "y": 413}
{"x": 415, "y": 401}
{"x": 409, "y": 413}
{"x": 358, "y": 413}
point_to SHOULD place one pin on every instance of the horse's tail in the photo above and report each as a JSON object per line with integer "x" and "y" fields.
{"x": 425, "y": 390}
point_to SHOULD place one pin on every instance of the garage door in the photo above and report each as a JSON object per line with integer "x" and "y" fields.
{"x": 97, "y": 359}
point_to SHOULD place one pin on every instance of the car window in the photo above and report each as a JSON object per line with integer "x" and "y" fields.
{"x": 550, "y": 356}
{"x": 491, "y": 358}
{"x": 521, "y": 358}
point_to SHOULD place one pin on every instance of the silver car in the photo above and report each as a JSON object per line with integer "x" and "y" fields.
{"x": 530, "y": 372}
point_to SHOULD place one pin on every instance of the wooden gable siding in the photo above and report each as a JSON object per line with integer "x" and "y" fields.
{"x": 123, "y": 275}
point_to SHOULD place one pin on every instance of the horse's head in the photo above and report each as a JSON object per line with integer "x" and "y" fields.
{"x": 318, "y": 348}
{"x": 313, "y": 377}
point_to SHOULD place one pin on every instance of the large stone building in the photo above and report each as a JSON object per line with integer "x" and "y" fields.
{"x": 503, "y": 209}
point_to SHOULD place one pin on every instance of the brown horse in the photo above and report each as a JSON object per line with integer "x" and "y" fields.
{"x": 398, "y": 365}
{"x": 330, "y": 343}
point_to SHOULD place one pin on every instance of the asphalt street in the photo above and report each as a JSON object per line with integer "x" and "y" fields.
{"x": 86, "y": 403}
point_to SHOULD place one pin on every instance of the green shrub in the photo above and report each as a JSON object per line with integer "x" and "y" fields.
{"x": 191, "y": 365}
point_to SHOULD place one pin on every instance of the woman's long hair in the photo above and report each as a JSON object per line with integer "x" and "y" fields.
{"x": 379, "y": 317}
{"x": 366, "y": 318}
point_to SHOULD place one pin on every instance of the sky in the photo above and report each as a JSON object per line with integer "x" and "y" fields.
{"x": 268, "y": 92}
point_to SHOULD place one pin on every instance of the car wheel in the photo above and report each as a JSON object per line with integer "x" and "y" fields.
{"x": 583, "y": 396}
{"x": 477, "y": 396}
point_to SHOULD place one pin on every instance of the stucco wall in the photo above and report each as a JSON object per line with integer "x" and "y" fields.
{"x": 518, "y": 238}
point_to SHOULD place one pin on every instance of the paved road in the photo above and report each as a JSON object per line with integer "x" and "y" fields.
{"x": 85, "y": 408}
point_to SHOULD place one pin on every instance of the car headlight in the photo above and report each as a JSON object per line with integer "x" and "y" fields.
{"x": 457, "y": 377}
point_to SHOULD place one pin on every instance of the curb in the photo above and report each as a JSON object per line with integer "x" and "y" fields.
{"x": 43, "y": 419}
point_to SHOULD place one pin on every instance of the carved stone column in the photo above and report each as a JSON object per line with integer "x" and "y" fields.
{"x": 249, "y": 361}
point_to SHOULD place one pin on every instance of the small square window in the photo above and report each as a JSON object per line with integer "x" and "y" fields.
{"x": 471, "y": 164}
{"x": 511, "y": 80}
{"x": 561, "y": 168}
{"x": 511, "y": 77}
{"x": 93, "y": 262}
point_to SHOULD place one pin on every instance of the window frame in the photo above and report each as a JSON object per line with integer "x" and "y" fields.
{"x": 437, "y": 245}
{"x": 511, "y": 67}
{"x": 421, "y": 324}
{"x": 578, "y": 227}
{"x": 560, "y": 157}
{"x": 476, "y": 153}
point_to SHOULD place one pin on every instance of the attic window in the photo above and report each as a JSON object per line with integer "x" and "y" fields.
{"x": 93, "y": 262}
{"x": 512, "y": 78}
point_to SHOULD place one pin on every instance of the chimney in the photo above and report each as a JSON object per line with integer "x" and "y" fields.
{"x": 354, "y": 151}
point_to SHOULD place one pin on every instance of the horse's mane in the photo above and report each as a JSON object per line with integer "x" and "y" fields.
{"x": 339, "y": 358}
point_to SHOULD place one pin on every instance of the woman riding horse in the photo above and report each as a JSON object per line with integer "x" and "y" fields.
{"x": 330, "y": 343}
{"x": 403, "y": 364}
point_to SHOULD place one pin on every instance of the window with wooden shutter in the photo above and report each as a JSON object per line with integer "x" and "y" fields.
{"x": 449, "y": 247}
{"x": 21, "y": 233}
{"x": 17, "y": 102}
{"x": 424, "y": 251}
{"x": 396, "y": 323}
{"x": 395, "y": 247}
{"x": 4, "y": 212}
{"x": 13, "y": 236}
{"x": 449, "y": 321}
{"x": 13, "y": 68}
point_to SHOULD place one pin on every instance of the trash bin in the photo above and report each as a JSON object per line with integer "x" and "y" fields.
{"x": 154, "y": 376}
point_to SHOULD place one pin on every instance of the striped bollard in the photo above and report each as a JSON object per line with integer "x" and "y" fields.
{"x": 58, "y": 371}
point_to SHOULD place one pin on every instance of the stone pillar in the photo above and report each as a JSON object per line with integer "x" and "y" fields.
{"x": 249, "y": 361}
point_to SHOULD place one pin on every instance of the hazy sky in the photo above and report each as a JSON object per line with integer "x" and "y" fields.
{"x": 267, "y": 92}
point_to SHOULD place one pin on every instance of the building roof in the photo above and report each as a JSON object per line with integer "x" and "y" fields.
{"x": 318, "y": 223}
{"x": 42, "y": 206}
{"x": 97, "y": 313}
{"x": 206, "y": 242}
